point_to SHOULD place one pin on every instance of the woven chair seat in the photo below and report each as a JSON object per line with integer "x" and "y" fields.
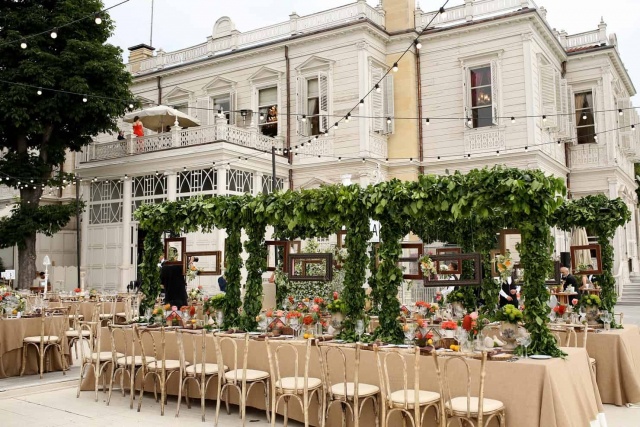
{"x": 364, "y": 390}
{"x": 47, "y": 339}
{"x": 459, "y": 405}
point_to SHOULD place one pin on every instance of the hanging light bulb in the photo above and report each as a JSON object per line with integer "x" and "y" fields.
{"x": 336, "y": 124}
{"x": 526, "y": 148}
{"x": 347, "y": 117}
{"x": 498, "y": 153}
{"x": 418, "y": 44}
{"x": 377, "y": 86}
{"x": 98, "y": 19}
{"x": 54, "y": 33}
{"x": 469, "y": 122}
{"x": 584, "y": 116}
{"x": 388, "y": 120}
{"x": 339, "y": 159}
{"x": 23, "y": 44}
{"x": 362, "y": 102}
{"x": 84, "y": 98}
{"x": 261, "y": 116}
{"x": 427, "y": 121}
{"x": 438, "y": 158}
{"x": 131, "y": 106}
{"x": 304, "y": 118}
{"x": 513, "y": 119}
{"x": 620, "y": 112}
{"x": 39, "y": 91}
{"x": 633, "y": 128}
{"x": 395, "y": 67}
{"x": 544, "y": 119}
{"x": 363, "y": 160}
{"x": 595, "y": 137}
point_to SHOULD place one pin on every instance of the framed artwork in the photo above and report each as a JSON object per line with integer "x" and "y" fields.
{"x": 273, "y": 249}
{"x": 494, "y": 265}
{"x": 509, "y": 238}
{"x": 208, "y": 262}
{"x": 408, "y": 260}
{"x": 553, "y": 279}
{"x": 342, "y": 234}
{"x": 451, "y": 250}
{"x": 174, "y": 250}
{"x": 476, "y": 260}
{"x": 586, "y": 259}
{"x": 298, "y": 267}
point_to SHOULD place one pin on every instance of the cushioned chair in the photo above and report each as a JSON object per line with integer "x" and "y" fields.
{"x": 128, "y": 362}
{"x": 52, "y": 337}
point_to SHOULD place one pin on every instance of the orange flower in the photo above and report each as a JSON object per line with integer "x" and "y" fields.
{"x": 507, "y": 263}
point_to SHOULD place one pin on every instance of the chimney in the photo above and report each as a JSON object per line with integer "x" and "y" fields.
{"x": 399, "y": 15}
{"x": 140, "y": 53}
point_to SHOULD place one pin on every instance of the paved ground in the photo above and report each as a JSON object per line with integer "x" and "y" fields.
{"x": 31, "y": 402}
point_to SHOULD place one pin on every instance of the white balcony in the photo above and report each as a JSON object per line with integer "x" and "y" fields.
{"x": 588, "y": 156}
{"x": 470, "y": 11}
{"x": 249, "y": 138}
{"x": 358, "y": 10}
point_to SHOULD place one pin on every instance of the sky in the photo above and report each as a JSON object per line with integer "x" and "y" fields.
{"x": 182, "y": 23}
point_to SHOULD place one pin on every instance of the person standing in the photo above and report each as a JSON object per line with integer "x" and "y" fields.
{"x": 138, "y": 131}
{"x": 570, "y": 280}
{"x": 508, "y": 293}
{"x": 222, "y": 283}
{"x": 121, "y": 135}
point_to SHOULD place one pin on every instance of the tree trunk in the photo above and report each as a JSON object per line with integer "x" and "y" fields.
{"x": 27, "y": 262}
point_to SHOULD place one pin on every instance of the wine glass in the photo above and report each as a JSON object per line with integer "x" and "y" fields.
{"x": 359, "y": 328}
{"x": 524, "y": 341}
{"x": 294, "y": 325}
{"x": 409, "y": 331}
{"x": 219, "y": 319}
{"x": 605, "y": 316}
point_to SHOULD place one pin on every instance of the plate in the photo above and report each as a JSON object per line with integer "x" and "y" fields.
{"x": 539, "y": 357}
{"x": 403, "y": 346}
{"x": 255, "y": 333}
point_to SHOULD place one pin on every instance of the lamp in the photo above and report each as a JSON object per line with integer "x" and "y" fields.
{"x": 46, "y": 262}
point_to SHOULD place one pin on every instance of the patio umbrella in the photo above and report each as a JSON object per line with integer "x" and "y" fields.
{"x": 579, "y": 238}
{"x": 158, "y": 118}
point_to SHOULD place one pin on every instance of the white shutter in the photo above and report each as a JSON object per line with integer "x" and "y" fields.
{"x": 494, "y": 92}
{"x": 563, "y": 120}
{"x": 192, "y": 108}
{"x": 624, "y": 123}
{"x": 202, "y": 111}
{"x": 549, "y": 96}
{"x": 232, "y": 107}
{"x": 466, "y": 95}
{"x": 301, "y": 106}
{"x": 388, "y": 103}
{"x": 571, "y": 126}
{"x": 323, "y": 88}
{"x": 377, "y": 107}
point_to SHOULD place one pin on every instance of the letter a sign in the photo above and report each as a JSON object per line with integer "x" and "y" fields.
{"x": 374, "y": 226}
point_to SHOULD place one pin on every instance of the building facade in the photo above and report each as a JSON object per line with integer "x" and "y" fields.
{"x": 493, "y": 83}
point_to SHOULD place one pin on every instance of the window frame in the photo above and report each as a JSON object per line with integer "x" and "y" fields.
{"x": 578, "y": 126}
{"x": 494, "y": 61}
{"x": 489, "y": 106}
{"x": 266, "y": 86}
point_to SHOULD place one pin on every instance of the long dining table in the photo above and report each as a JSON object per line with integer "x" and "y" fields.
{"x": 550, "y": 393}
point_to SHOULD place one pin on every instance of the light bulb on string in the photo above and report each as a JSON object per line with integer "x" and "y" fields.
{"x": 469, "y": 122}
{"x": 54, "y": 33}
{"x": 98, "y": 19}
{"x": 544, "y": 119}
{"x": 339, "y": 159}
{"x": 347, "y": 117}
{"x": 395, "y": 67}
{"x": 513, "y": 119}
{"x": 362, "y": 102}
{"x": 377, "y": 87}
{"x": 363, "y": 160}
{"x": 633, "y": 128}
{"x": 438, "y": 158}
{"x": 595, "y": 137}
{"x": 304, "y": 118}
{"x": 388, "y": 120}
{"x": 261, "y": 116}
{"x": 418, "y": 44}
{"x": 427, "y": 121}
{"x": 336, "y": 124}
{"x": 131, "y": 106}
{"x": 620, "y": 112}
{"x": 584, "y": 116}
{"x": 497, "y": 153}
{"x": 23, "y": 44}
{"x": 84, "y": 98}
{"x": 526, "y": 148}
{"x": 39, "y": 91}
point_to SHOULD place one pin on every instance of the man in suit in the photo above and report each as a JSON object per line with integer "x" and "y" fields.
{"x": 222, "y": 283}
{"x": 569, "y": 280}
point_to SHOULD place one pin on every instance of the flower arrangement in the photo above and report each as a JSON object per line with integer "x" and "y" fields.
{"x": 77, "y": 290}
{"x": 590, "y": 300}
{"x": 337, "y": 305}
{"x": 504, "y": 265}
{"x": 195, "y": 294}
{"x": 192, "y": 272}
{"x": 470, "y": 323}
{"x": 560, "y": 309}
{"x": 427, "y": 309}
{"x": 509, "y": 313}
{"x": 93, "y": 293}
{"x": 320, "y": 302}
{"x": 12, "y": 302}
{"x": 449, "y": 325}
{"x": 293, "y": 315}
{"x": 214, "y": 303}
{"x": 456, "y": 296}
{"x": 428, "y": 266}
{"x": 309, "y": 319}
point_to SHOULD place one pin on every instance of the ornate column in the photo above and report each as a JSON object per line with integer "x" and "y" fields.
{"x": 257, "y": 183}
{"x": 172, "y": 185}
{"x": 85, "y": 194}
{"x": 125, "y": 266}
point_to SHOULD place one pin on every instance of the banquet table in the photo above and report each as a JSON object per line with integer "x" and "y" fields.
{"x": 12, "y": 332}
{"x": 87, "y": 307}
{"x": 549, "y": 393}
{"x": 617, "y": 354}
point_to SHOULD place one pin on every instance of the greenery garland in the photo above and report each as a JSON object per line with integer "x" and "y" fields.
{"x": 372, "y": 281}
{"x": 150, "y": 285}
{"x": 233, "y": 263}
{"x": 256, "y": 264}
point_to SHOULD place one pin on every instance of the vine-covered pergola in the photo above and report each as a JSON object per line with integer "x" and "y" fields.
{"x": 467, "y": 209}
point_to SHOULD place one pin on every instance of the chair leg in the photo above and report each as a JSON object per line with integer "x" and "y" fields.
{"x": 267, "y": 390}
{"x": 24, "y": 359}
{"x": 219, "y": 398}
{"x": 132, "y": 382}
{"x": 226, "y": 401}
{"x": 111, "y": 385}
{"x": 141, "y": 389}
{"x": 80, "y": 380}
{"x": 202, "y": 400}
{"x": 179, "y": 397}
{"x": 187, "y": 396}
{"x": 286, "y": 411}
{"x": 162, "y": 394}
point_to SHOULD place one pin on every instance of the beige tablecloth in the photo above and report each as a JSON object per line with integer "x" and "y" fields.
{"x": 87, "y": 307}
{"x": 549, "y": 393}
{"x": 12, "y": 332}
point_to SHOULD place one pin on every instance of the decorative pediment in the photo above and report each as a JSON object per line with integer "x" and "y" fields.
{"x": 219, "y": 83}
{"x": 265, "y": 73}
{"x": 315, "y": 183}
{"x": 145, "y": 102}
{"x": 223, "y": 27}
{"x": 314, "y": 63}
{"x": 178, "y": 93}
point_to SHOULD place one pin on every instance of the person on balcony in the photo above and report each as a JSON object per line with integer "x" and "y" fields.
{"x": 138, "y": 131}
{"x": 121, "y": 135}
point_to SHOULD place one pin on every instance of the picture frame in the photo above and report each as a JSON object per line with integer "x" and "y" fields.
{"x": 174, "y": 250}
{"x": 509, "y": 239}
{"x": 449, "y": 251}
{"x": 554, "y": 280}
{"x": 272, "y": 259}
{"x": 493, "y": 253}
{"x": 595, "y": 255}
{"x": 214, "y": 265}
{"x": 411, "y": 260}
{"x": 341, "y": 236}
{"x": 305, "y": 260}
{"x": 477, "y": 271}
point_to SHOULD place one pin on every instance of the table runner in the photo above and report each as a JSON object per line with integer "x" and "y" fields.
{"x": 549, "y": 393}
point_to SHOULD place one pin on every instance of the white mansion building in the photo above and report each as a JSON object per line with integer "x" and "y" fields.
{"x": 472, "y": 96}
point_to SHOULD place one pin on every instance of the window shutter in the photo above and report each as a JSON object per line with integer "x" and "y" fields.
{"x": 323, "y": 88}
{"x": 624, "y": 123}
{"x": 202, "y": 111}
{"x": 377, "y": 107}
{"x": 563, "y": 120}
{"x": 388, "y": 103}
{"x": 232, "y": 107}
{"x": 466, "y": 96}
{"x": 494, "y": 92}
{"x": 301, "y": 106}
{"x": 191, "y": 108}
{"x": 549, "y": 95}
{"x": 571, "y": 126}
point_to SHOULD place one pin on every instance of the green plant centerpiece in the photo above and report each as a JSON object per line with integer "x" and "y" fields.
{"x": 592, "y": 305}
{"x": 458, "y": 300}
{"x": 509, "y": 316}
{"x": 338, "y": 308}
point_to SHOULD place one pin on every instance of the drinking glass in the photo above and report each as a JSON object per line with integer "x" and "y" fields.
{"x": 294, "y": 325}
{"x": 409, "y": 333}
{"x": 219, "y": 319}
{"x": 524, "y": 341}
{"x": 359, "y": 328}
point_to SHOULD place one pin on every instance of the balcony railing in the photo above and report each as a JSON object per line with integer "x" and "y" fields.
{"x": 473, "y": 10}
{"x": 296, "y": 25}
{"x": 588, "y": 156}
{"x": 250, "y": 138}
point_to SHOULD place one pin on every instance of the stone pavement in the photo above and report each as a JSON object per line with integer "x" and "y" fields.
{"x": 28, "y": 401}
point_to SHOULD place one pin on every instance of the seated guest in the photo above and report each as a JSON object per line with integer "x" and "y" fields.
{"x": 569, "y": 280}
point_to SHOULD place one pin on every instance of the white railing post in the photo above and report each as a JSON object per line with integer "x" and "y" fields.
{"x": 175, "y": 136}
{"x": 293, "y": 23}
{"x": 362, "y": 9}
{"x": 210, "y": 48}
{"x": 130, "y": 145}
{"x": 468, "y": 10}
{"x": 160, "y": 59}
{"x": 524, "y": 4}
{"x": 602, "y": 33}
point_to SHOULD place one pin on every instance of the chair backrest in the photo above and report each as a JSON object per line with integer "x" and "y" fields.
{"x": 108, "y": 304}
{"x": 445, "y": 364}
{"x": 74, "y": 310}
{"x": 189, "y": 341}
{"x": 58, "y": 319}
{"x": 231, "y": 341}
{"x": 620, "y": 317}
{"x": 393, "y": 359}
{"x": 348, "y": 355}
{"x": 158, "y": 343}
{"x": 92, "y": 341}
{"x": 572, "y": 336}
{"x": 123, "y": 340}
{"x": 287, "y": 351}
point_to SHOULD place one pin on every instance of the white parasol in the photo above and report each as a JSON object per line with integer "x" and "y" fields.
{"x": 579, "y": 238}
{"x": 158, "y": 118}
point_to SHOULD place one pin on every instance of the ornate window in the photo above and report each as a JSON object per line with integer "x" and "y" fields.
{"x": 481, "y": 88}
{"x": 239, "y": 181}
{"x": 585, "y": 120}
{"x": 267, "y": 184}
{"x": 382, "y": 102}
{"x": 481, "y": 98}
{"x": 196, "y": 182}
{"x": 268, "y": 111}
{"x": 105, "y": 205}
{"x": 148, "y": 189}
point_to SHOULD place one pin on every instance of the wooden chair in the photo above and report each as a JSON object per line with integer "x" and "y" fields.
{"x": 158, "y": 365}
{"x": 129, "y": 361}
{"x": 295, "y": 383}
{"x": 76, "y": 332}
{"x": 108, "y": 311}
{"x": 96, "y": 359}
{"x": 477, "y": 411}
{"x": 572, "y": 341}
{"x": 238, "y": 376}
{"x": 409, "y": 400}
{"x": 51, "y": 338}
{"x": 196, "y": 369}
{"x": 620, "y": 317}
{"x": 349, "y": 394}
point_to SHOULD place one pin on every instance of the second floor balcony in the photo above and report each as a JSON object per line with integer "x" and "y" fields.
{"x": 177, "y": 138}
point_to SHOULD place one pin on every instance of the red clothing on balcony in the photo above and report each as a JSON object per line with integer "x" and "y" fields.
{"x": 137, "y": 129}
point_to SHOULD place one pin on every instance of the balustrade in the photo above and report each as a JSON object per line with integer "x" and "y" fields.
{"x": 587, "y": 156}
{"x": 471, "y": 10}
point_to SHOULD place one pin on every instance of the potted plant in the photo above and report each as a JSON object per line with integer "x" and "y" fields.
{"x": 509, "y": 316}
{"x": 337, "y": 308}
{"x": 456, "y": 299}
{"x": 448, "y": 328}
{"x": 591, "y": 304}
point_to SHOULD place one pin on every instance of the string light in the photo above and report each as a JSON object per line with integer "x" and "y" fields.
{"x": 131, "y": 106}
{"x": 54, "y": 33}
{"x": 544, "y": 118}
{"x": 633, "y": 128}
{"x": 395, "y": 67}
{"x": 418, "y": 44}
{"x": 39, "y": 92}
{"x": 261, "y": 116}
{"x": 377, "y": 87}
{"x": 98, "y": 19}
{"x": 363, "y": 160}
{"x": 347, "y": 117}
{"x": 362, "y": 102}
{"x": 498, "y": 153}
{"x": 388, "y": 120}
{"x": 513, "y": 119}
{"x": 304, "y": 118}
{"x": 584, "y": 116}
{"x": 339, "y": 159}
{"x": 23, "y": 44}
{"x": 526, "y": 148}
{"x": 469, "y": 122}
{"x": 595, "y": 137}
{"x": 427, "y": 121}
{"x": 620, "y": 112}
{"x": 438, "y": 158}
{"x": 336, "y": 124}
{"x": 84, "y": 98}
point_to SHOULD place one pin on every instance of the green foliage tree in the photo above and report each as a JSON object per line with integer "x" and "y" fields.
{"x": 37, "y": 131}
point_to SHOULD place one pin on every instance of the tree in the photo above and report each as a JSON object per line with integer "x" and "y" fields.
{"x": 37, "y": 130}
